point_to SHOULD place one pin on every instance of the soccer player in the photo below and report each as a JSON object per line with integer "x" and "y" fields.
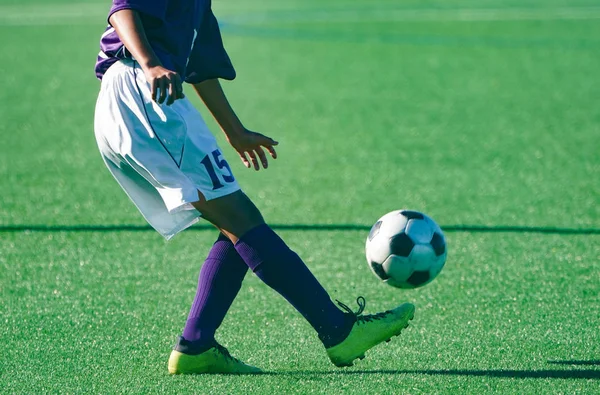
{"x": 158, "y": 148}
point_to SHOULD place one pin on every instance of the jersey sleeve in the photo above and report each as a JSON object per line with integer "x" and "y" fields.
{"x": 208, "y": 58}
{"x": 154, "y": 8}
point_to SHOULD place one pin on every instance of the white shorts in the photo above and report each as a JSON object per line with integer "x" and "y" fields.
{"x": 162, "y": 156}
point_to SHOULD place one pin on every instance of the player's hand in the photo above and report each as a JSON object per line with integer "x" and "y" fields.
{"x": 163, "y": 81}
{"x": 253, "y": 145}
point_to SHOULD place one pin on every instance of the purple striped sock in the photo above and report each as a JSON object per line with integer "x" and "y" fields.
{"x": 282, "y": 269}
{"x": 219, "y": 282}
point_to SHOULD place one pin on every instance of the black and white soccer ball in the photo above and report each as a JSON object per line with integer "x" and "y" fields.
{"x": 406, "y": 249}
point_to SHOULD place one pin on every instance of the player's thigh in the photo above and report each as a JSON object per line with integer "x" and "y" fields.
{"x": 235, "y": 214}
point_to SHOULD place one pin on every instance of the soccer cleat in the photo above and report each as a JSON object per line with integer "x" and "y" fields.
{"x": 214, "y": 360}
{"x": 368, "y": 331}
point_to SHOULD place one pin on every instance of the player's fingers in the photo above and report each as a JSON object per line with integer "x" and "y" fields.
{"x": 263, "y": 158}
{"x": 157, "y": 83}
{"x": 173, "y": 94}
{"x": 162, "y": 84}
{"x": 179, "y": 87}
{"x": 264, "y": 141}
{"x": 244, "y": 159}
{"x": 252, "y": 156}
{"x": 154, "y": 87}
{"x": 159, "y": 90}
{"x": 272, "y": 151}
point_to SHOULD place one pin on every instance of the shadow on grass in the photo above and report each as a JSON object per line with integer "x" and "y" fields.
{"x": 300, "y": 227}
{"x": 587, "y": 374}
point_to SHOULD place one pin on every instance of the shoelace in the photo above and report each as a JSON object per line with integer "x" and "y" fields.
{"x": 361, "y": 307}
{"x": 222, "y": 350}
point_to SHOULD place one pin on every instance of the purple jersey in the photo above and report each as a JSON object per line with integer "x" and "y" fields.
{"x": 183, "y": 33}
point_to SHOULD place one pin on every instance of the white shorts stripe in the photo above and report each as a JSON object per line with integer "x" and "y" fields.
{"x": 106, "y": 33}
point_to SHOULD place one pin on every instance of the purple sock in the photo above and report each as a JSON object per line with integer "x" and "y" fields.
{"x": 282, "y": 269}
{"x": 219, "y": 282}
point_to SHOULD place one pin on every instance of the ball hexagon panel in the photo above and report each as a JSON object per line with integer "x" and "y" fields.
{"x": 419, "y": 230}
{"x": 401, "y": 245}
{"x": 422, "y": 257}
{"x": 392, "y": 224}
{"x": 434, "y": 225}
{"x": 378, "y": 249}
{"x": 398, "y": 270}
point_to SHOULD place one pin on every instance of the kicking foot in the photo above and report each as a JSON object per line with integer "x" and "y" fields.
{"x": 368, "y": 331}
{"x": 214, "y": 360}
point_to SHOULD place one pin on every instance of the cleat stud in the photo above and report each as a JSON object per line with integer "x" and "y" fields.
{"x": 389, "y": 340}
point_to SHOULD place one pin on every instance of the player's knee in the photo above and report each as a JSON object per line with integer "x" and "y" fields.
{"x": 235, "y": 213}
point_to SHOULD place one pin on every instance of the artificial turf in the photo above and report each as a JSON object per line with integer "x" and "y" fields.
{"x": 482, "y": 114}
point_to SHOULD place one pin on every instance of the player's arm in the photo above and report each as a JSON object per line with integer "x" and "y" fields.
{"x": 130, "y": 29}
{"x": 240, "y": 138}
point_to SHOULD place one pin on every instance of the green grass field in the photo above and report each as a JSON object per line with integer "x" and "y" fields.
{"x": 483, "y": 114}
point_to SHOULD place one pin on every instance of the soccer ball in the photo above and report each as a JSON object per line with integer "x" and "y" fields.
{"x": 406, "y": 249}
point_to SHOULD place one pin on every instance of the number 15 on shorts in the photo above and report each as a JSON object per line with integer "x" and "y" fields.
{"x": 215, "y": 159}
